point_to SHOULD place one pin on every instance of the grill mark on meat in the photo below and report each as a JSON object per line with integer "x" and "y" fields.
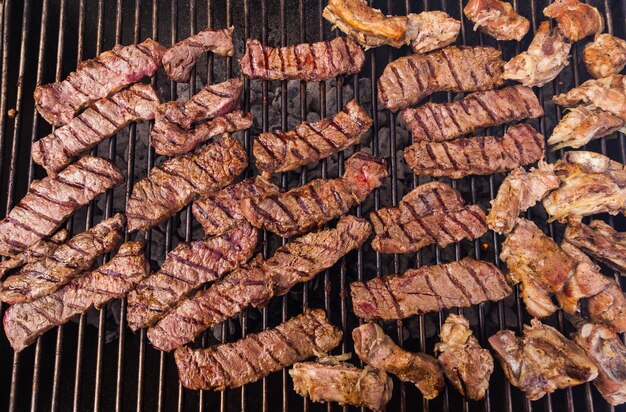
{"x": 453, "y": 72}
{"x": 400, "y": 84}
{"x": 345, "y": 45}
{"x": 452, "y": 160}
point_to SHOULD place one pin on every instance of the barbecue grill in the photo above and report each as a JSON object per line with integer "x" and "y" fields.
{"x": 96, "y": 363}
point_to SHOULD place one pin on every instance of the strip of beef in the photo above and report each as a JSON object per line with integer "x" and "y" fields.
{"x": 219, "y": 211}
{"x": 106, "y": 117}
{"x": 541, "y": 361}
{"x": 605, "y": 56}
{"x": 428, "y": 289}
{"x": 591, "y": 183}
{"x": 600, "y": 241}
{"x": 310, "y": 62}
{"x": 608, "y": 93}
{"x": 53, "y": 199}
{"x": 249, "y": 359}
{"x": 609, "y": 307}
{"x": 37, "y": 251}
{"x": 24, "y": 322}
{"x": 280, "y": 151}
{"x": 497, "y": 19}
{"x": 465, "y": 363}
{"x": 96, "y": 79}
{"x": 520, "y": 191}
{"x": 408, "y": 80}
{"x": 178, "y": 60}
{"x": 521, "y": 145}
{"x": 185, "y": 268}
{"x": 343, "y": 383}
{"x": 583, "y": 124}
{"x": 546, "y": 56}
{"x": 178, "y": 181}
{"x": 576, "y": 20}
{"x": 312, "y": 205}
{"x": 69, "y": 260}
{"x": 375, "y": 348}
{"x": 609, "y": 354}
{"x": 431, "y": 30}
{"x": 445, "y": 121}
{"x": 255, "y": 284}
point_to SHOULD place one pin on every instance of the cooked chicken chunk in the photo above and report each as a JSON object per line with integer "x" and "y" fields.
{"x": 609, "y": 307}
{"x": 608, "y": 93}
{"x": 600, "y": 241}
{"x": 431, "y": 30}
{"x": 583, "y": 124}
{"x": 605, "y": 56}
{"x": 497, "y": 19}
{"x": 575, "y": 19}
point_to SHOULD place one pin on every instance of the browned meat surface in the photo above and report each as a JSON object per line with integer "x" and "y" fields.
{"x": 521, "y": 145}
{"x": 249, "y": 359}
{"x": 280, "y": 151}
{"x": 106, "y": 117}
{"x": 465, "y": 363}
{"x": 608, "y": 93}
{"x": 428, "y": 289}
{"x": 185, "y": 268}
{"x": 343, "y": 383}
{"x": 583, "y": 124}
{"x": 375, "y": 348}
{"x": 179, "y": 59}
{"x": 24, "y": 322}
{"x": 591, "y": 183}
{"x": 304, "y": 208}
{"x": 576, "y": 20}
{"x": 311, "y": 62}
{"x": 255, "y": 284}
{"x": 408, "y": 80}
{"x": 546, "y": 56}
{"x": 600, "y": 241}
{"x": 219, "y": 211}
{"x": 497, "y": 19}
{"x": 37, "y": 251}
{"x": 541, "y": 361}
{"x": 97, "y": 78}
{"x": 178, "y": 181}
{"x": 446, "y": 121}
{"x": 69, "y": 260}
{"x": 53, "y": 199}
{"x": 605, "y": 56}
{"x": 431, "y": 30}
{"x": 609, "y": 307}
{"x": 609, "y": 354}
{"x": 519, "y": 191}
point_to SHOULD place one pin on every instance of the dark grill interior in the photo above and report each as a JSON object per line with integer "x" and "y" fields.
{"x": 96, "y": 362}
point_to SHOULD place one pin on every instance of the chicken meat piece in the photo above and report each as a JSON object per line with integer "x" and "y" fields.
{"x": 497, "y": 19}
{"x": 609, "y": 307}
{"x": 575, "y": 19}
{"x": 605, "y": 56}
{"x": 583, "y": 124}
{"x": 431, "y": 30}
{"x": 608, "y": 93}
{"x": 600, "y": 241}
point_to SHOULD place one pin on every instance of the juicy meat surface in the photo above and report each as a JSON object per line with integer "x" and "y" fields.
{"x": 605, "y": 56}
{"x": 185, "y": 268}
{"x": 24, "y": 322}
{"x": 408, "y": 80}
{"x": 497, "y": 19}
{"x": 583, "y": 124}
{"x": 103, "y": 119}
{"x": 280, "y": 151}
{"x": 609, "y": 307}
{"x": 53, "y": 199}
{"x": 68, "y": 261}
{"x": 178, "y": 60}
{"x": 249, "y": 359}
{"x": 576, "y": 20}
{"x": 547, "y": 55}
{"x": 465, "y": 363}
{"x": 608, "y": 93}
{"x": 541, "y": 361}
{"x": 178, "y": 181}
{"x": 304, "y": 208}
{"x": 600, "y": 241}
{"x": 342, "y": 383}
{"x": 431, "y": 30}
{"x": 375, "y": 348}
{"x": 445, "y": 121}
{"x": 428, "y": 289}
{"x": 519, "y": 191}
{"x": 97, "y": 78}
{"x": 310, "y": 62}
{"x": 37, "y": 251}
{"x": 521, "y": 145}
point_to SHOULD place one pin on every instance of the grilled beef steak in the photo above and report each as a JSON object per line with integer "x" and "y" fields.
{"x": 581, "y": 125}
{"x": 24, "y": 322}
{"x": 497, "y": 19}
{"x": 605, "y": 56}
{"x": 410, "y": 79}
{"x": 608, "y": 93}
{"x": 249, "y": 359}
{"x": 179, "y": 59}
{"x": 575, "y": 19}
{"x": 185, "y": 268}
{"x": 310, "y": 62}
{"x": 178, "y": 181}
{"x": 106, "y": 117}
{"x": 69, "y": 260}
{"x": 375, "y": 348}
{"x": 37, "y": 251}
{"x": 97, "y": 78}
{"x": 53, "y": 199}
{"x": 521, "y": 145}
{"x": 600, "y": 241}
{"x": 428, "y": 289}
{"x": 280, "y": 151}
{"x": 304, "y": 208}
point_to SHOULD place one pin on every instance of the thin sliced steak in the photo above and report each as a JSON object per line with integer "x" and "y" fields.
{"x": 39, "y": 250}
{"x": 599, "y": 240}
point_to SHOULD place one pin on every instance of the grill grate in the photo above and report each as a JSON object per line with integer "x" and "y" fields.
{"x": 83, "y": 367}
